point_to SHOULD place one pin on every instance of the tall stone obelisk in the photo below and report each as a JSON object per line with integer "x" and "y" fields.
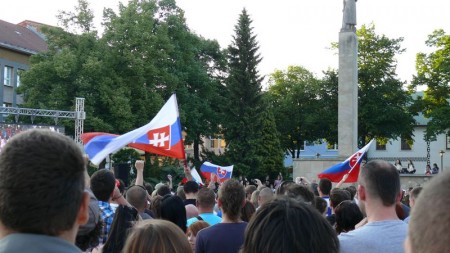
{"x": 348, "y": 82}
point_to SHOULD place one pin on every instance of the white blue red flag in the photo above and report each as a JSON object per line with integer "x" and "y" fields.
{"x": 161, "y": 136}
{"x": 222, "y": 172}
{"x": 350, "y": 166}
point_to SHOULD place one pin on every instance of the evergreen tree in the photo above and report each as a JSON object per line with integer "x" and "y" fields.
{"x": 244, "y": 97}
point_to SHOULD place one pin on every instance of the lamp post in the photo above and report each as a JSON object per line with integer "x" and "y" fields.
{"x": 441, "y": 153}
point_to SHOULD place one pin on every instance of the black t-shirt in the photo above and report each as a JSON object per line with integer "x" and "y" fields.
{"x": 189, "y": 201}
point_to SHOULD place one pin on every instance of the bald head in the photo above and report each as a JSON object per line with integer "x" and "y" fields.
{"x": 381, "y": 181}
{"x": 265, "y": 195}
{"x": 137, "y": 197}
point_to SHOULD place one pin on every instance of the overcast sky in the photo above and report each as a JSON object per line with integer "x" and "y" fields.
{"x": 290, "y": 32}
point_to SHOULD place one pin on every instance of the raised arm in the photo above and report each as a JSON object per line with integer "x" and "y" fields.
{"x": 139, "y": 164}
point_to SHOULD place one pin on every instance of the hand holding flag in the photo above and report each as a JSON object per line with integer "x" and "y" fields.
{"x": 348, "y": 168}
{"x": 221, "y": 173}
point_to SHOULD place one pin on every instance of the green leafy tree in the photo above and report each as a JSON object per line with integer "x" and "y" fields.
{"x": 382, "y": 101}
{"x": 297, "y": 97}
{"x": 433, "y": 70}
{"x": 243, "y": 108}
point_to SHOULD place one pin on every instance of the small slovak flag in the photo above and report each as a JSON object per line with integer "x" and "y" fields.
{"x": 222, "y": 172}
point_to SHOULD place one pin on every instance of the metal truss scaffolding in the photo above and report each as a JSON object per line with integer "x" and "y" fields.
{"x": 78, "y": 115}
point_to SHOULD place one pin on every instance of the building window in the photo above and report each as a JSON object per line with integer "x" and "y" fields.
{"x": 448, "y": 141}
{"x": 18, "y": 78}
{"x": 381, "y": 146}
{"x": 213, "y": 143}
{"x": 406, "y": 144}
{"x": 7, "y": 75}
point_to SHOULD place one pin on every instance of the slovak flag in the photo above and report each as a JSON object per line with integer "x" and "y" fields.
{"x": 351, "y": 166}
{"x": 161, "y": 136}
{"x": 222, "y": 173}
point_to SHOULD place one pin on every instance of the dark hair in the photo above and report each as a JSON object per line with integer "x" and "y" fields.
{"x": 180, "y": 192}
{"x": 381, "y": 181}
{"x": 314, "y": 187}
{"x": 92, "y": 239}
{"x": 325, "y": 186}
{"x": 321, "y": 204}
{"x": 41, "y": 183}
{"x": 352, "y": 190}
{"x": 283, "y": 186}
{"x": 148, "y": 187}
{"x": 124, "y": 219}
{"x": 172, "y": 209}
{"x": 301, "y": 193}
{"x": 136, "y": 195}
{"x": 249, "y": 189}
{"x": 206, "y": 198}
{"x": 337, "y": 196}
{"x": 190, "y": 187}
{"x": 297, "y": 226}
{"x": 247, "y": 211}
{"x": 232, "y": 197}
{"x": 103, "y": 183}
{"x": 163, "y": 190}
{"x": 347, "y": 216}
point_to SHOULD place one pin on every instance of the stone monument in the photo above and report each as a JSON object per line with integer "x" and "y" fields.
{"x": 348, "y": 99}
{"x": 348, "y": 82}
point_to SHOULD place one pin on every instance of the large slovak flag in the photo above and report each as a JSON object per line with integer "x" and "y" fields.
{"x": 161, "y": 136}
{"x": 222, "y": 173}
{"x": 351, "y": 166}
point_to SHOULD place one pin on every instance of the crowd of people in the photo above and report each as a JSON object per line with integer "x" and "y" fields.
{"x": 411, "y": 169}
{"x": 48, "y": 203}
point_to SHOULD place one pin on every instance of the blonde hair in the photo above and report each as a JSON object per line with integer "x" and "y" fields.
{"x": 157, "y": 236}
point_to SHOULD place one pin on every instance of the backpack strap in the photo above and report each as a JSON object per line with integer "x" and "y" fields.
{"x": 199, "y": 217}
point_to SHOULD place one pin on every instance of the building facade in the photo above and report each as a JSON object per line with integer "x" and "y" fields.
{"x": 18, "y": 42}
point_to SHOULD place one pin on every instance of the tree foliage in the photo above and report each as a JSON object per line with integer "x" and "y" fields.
{"x": 299, "y": 102}
{"x": 244, "y": 108}
{"x": 433, "y": 70}
{"x": 382, "y": 101}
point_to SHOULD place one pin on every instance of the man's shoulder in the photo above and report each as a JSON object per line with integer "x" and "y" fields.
{"x": 40, "y": 243}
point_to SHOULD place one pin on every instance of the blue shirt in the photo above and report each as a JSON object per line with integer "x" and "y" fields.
{"x": 107, "y": 215}
{"x": 210, "y": 218}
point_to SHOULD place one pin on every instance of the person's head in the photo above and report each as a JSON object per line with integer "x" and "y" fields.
{"x": 283, "y": 186}
{"x": 247, "y": 211}
{"x": 172, "y": 209}
{"x": 249, "y": 189}
{"x": 206, "y": 199}
{"x": 137, "y": 196}
{"x": 192, "y": 231}
{"x": 429, "y": 223}
{"x": 299, "y": 228}
{"x": 231, "y": 199}
{"x": 148, "y": 187}
{"x": 347, "y": 216}
{"x": 42, "y": 184}
{"x": 379, "y": 181}
{"x": 428, "y": 168}
{"x": 434, "y": 165}
{"x": 352, "y": 190}
{"x": 89, "y": 234}
{"x": 301, "y": 193}
{"x": 191, "y": 187}
{"x": 156, "y": 236}
{"x": 163, "y": 190}
{"x": 103, "y": 183}
{"x": 191, "y": 211}
{"x": 265, "y": 195}
{"x": 124, "y": 218}
{"x": 398, "y": 162}
{"x": 337, "y": 196}
{"x": 414, "y": 193}
{"x": 254, "y": 198}
{"x": 180, "y": 192}
{"x": 325, "y": 187}
{"x": 321, "y": 205}
{"x": 315, "y": 188}
{"x": 155, "y": 206}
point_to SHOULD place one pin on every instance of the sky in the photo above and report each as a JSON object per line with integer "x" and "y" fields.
{"x": 289, "y": 32}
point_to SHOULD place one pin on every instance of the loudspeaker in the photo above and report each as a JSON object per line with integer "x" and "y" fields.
{"x": 122, "y": 171}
